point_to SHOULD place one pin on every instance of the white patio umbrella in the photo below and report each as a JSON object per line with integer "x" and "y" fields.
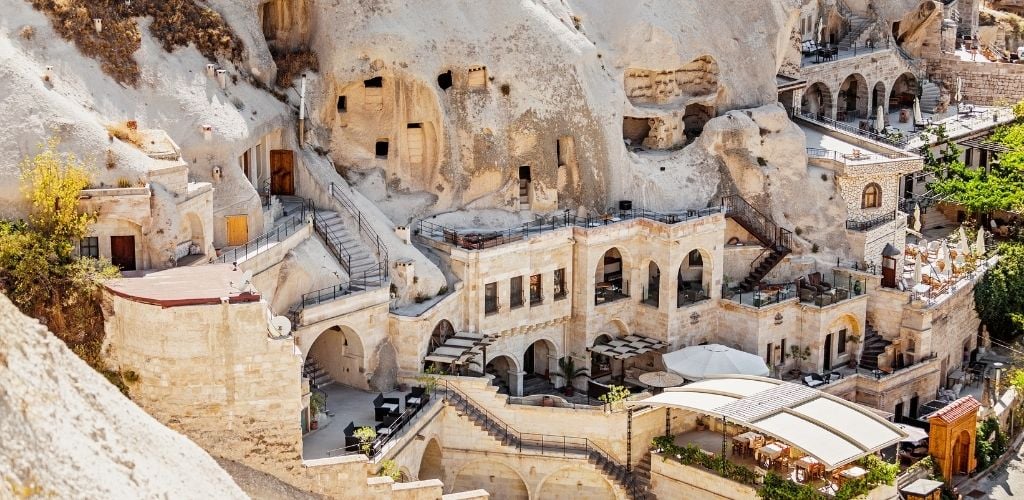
{"x": 963, "y": 246}
{"x": 979, "y": 244}
{"x": 917, "y": 217}
{"x": 914, "y": 434}
{"x": 880, "y": 119}
{"x": 947, "y": 263}
{"x": 959, "y": 93}
{"x": 821, "y": 30}
{"x": 917, "y": 269}
{"x": 701, "y": 361}
{"x": 918, "y": 119}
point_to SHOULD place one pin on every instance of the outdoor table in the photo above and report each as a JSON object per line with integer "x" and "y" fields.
{"x": 747, "y": 440}
{"x": 767, "y": 455}
{"x": 851, "y": 473}
{"x": 808, "y": 468}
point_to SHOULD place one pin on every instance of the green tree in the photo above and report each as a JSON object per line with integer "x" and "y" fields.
{"x": 39, "y": 270}
{"x": 999, "y": 296}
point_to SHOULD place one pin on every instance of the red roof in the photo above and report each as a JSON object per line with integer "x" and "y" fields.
{"x": 184, "y": 286}
{"x": 966, "y": 405}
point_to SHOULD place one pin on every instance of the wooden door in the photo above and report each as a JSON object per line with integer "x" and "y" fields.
{"x": 282, "y": 179}
{"x": 238, "y": 229}
{"x": 122, "y": 252}
{"x": 828, "y": 352}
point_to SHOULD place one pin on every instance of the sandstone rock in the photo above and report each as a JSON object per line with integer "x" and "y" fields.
{"x": 68, "y": 433}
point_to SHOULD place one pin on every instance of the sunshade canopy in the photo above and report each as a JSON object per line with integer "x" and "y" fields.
{"x": 627, "y": 347}
{"x": 460, "y": 348}
{"x": 830, "y": 429}
{"x": 701, "y": 361}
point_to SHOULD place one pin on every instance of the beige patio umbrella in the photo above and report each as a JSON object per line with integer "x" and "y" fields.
{"x": 917, "y": 268}
{"x": 979, "y": 244}
{"x": 880, "y": 119}
{"x": 959, "y": 91}
{"x": 917, "y": 217}
{"x": 947, "y": 263}
{"x": 660, "y": 379}
{"x": 918, "y": 119}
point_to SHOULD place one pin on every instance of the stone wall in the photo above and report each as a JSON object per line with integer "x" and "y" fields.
{"x": 671, "y": 479}
{"x": 983, "y": 83}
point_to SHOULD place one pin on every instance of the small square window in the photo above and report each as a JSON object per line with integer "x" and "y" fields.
{"x": 374, "y": 83}
{"x": 414, "y": 125}
{"x": 381, "y": 149}
{"x": 89, "y": 247}
{"x": 342, "y": 104}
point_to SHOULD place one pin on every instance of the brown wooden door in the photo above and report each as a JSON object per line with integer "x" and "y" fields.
{"x": 282, "y": 179}
{"x": 238, "y": 229}
{"x": 122, "y": 252}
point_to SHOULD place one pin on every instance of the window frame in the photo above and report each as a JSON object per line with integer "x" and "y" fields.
{"x": 93, "y": 244}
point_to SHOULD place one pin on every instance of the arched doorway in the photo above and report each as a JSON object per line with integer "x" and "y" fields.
{"x": 962, "y": 453}
{"x": 431, "y": 465}
{"x": 503, "y": 368}
{"x": 694, "y": 118}
{"x": 878, "y": 98}
{"x": 651, "y": 291}
{"x": 442, "y": 331}
{"x": 537, "y": 360}
{"x": 194, "y": 235}
{"x": 600, "y": 365}
{"x": 853, "y": 98}
{"x": 339, "y": 352}
{"x": 817, "y": 100}
{"x": 610, "y": 279}
{"x": 694, "y": 279}
{"x": 903, "y": 92}
{"x": 500, "y": 480}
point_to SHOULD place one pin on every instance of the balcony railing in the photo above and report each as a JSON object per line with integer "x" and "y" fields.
{"x": 471, "y": 239}
{"x": 279, "y": 233}
{"x": 867, "y": 225}
{"x": 829, "y": 292}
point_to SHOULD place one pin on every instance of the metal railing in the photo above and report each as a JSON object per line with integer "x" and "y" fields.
{"x": 371, "y": 278}
{"x": 851, "y": 158}
{"x": 867, "y": 225}
{"x": 480, "y": 239}
{"x": 540, "y": 444}
{"x": 832, "y": 52}
{"x": 334, "y": 244}
{"x": 864, "y": 267}
{"x": 264, "y": 241}
{"x": 378, "y": 446}
{"x": 902, "y": 141}
{"x": 831, "y": 292}
{"x": 758, "y": 224}
{"x": 364, "y": 229}
{"x": 764, "y": 295}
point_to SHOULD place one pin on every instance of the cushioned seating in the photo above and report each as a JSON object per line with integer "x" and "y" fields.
{"x": 813, "y": 380}
{"x": 383, "y": 407}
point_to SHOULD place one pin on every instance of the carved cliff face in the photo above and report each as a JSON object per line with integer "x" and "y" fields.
{"x": 474, "y": 105}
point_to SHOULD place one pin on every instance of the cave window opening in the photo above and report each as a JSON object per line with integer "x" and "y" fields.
{"x": 374, "y": 83}
{"x": 444, "y": 80}
{"x": 694, "y": 119}
{"x": 524, "y": 173}
{"x": 477, "y": 77}
{"x": 342, "y": 104}
{"x": 381, "y": 148}
{"x": 635, "y": 130}
{"x": 414, "y": 125}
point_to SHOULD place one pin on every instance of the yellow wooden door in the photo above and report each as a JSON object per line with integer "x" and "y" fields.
{"x": 238, "y": 229}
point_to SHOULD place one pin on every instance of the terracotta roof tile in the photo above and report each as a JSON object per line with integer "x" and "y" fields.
{"x": 957, "y": 409}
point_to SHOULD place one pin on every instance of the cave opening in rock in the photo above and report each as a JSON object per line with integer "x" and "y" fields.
{"x": 381, "y": 148}
{"x": 271, "y": 21}
{"x": 342, "y": 104}
{"x": 694, "y": 119}
{"x": 444, "y": 80}
{"x": 635, "y": 130}
{"x": 374, "y": 83}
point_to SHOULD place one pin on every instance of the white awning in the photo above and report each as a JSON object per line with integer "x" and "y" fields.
{"x": 701, "y": 361}
{"x": 627, "y": 347}
{"x": 460, "y": 348}
{"x": 830, "y": 429}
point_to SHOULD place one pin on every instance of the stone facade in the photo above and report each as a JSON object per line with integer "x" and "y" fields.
{"x": 985, "y": 84}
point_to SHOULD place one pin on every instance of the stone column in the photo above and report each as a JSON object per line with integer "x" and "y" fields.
{"x": 515, "y": 383}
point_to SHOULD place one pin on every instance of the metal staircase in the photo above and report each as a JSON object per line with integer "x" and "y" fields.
{"x": 778, "y": 242}
{"x": 540, "y": 444}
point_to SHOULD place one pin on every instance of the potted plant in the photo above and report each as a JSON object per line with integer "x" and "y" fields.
{"x": 615, "y": 396}
{"x": 799, "y": 355}
{"x": 365, "y": 435}
{"x": 568, "y": 371}
{"x": 317, "y": 404}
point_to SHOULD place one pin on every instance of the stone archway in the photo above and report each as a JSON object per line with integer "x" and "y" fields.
{"x": 611, "y": 276}
{"x": 441, "y": 332}
{"x": 853, "y": 98}
{"x": 338, "y": 350}
{"x": 652, "y": 288}
{"x": 879, "y": 97}
{"x": 431, "y": 465}
{"x": 575, "y": 482}
{"x": 540, "y": 358}
{"x": 817, "y": 100}
{"x": 500, "y": 480}
{"x": 903, "y": 92}
{"x": 693, "y": 282}
{"x": 506, "y": 373}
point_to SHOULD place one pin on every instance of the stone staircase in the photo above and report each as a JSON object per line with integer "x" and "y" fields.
{"x": 524, "y": 195}
{"x": 874, "y": 345}
{"x": 930, "y": 96}
{"x": 357, "y": 260}
{"x": 642, "y": 476}
{"x": 858, "y": 32}
{"x": 532, "y": 444}
{"x": 777, "y": 241}
{"x": 318, "y": 377}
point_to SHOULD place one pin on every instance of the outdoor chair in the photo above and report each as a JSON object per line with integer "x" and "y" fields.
{"x": 383, "y": 407}
{"x": 387, "y": 425}
{"x": 416, "y": 398}
{"x": 351, "y": 441}
{"x": 816, "y": 281}
{"x": 833, "y": 376}
{"x": 813, "y": 380}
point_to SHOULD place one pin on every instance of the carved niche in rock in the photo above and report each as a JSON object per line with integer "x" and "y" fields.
{"x": 695, "y": 79}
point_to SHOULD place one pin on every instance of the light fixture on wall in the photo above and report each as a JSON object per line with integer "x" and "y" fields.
{"x": 778, "y": 318}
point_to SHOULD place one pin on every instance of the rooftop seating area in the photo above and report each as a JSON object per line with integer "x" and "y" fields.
{"x": 821, "y": 291}
{"x": 477, "y": 239}
{"x": 814, "y": 53}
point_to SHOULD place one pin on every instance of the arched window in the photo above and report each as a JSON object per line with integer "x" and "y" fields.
{"x": 872, "y": 196}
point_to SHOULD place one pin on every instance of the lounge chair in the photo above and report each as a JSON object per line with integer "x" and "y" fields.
{"x": 383, "y": 407}
{"x": 416, "y": 398}
{"x": 813, "y": 380}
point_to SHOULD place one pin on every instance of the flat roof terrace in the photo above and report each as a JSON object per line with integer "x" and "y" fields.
{"x": 479, "y": 239}
{"x": 184, "y": 286}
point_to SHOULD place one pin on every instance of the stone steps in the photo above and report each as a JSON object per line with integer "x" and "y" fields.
{"x": 930, "y": 97}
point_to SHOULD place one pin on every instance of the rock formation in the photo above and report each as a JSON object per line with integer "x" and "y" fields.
{"x": 68, "y": 433}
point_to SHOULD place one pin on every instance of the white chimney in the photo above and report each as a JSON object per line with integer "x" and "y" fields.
{"x": 211, "y": 70}
{"x": 48, "y": 74}
{"x": 98, "y": 24}
{"x": 222, "y": 78}
{"x": 403, "y": 234}
{"x": 207, "y": 132}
